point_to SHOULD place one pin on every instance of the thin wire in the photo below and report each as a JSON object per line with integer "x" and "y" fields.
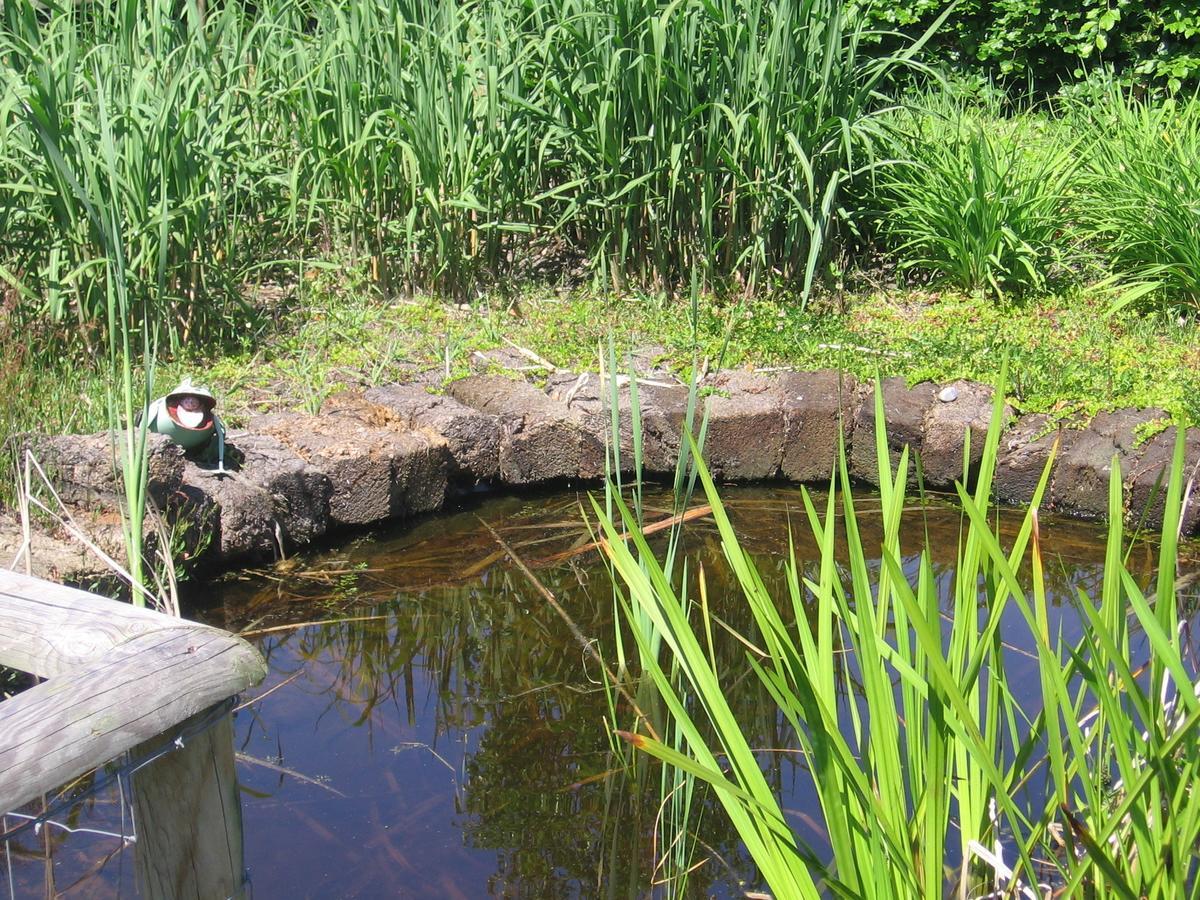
{"x": 132, "y": 825}
{"x": 67, "y": 828}
{"x": 12, "y": 888}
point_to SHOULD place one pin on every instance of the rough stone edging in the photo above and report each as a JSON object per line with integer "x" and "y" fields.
{"x": 398, "y": 450}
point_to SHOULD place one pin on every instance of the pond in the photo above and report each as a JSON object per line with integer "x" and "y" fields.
{"x": 431, "y": 726}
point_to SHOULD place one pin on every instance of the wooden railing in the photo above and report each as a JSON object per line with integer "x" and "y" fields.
{"x": 121, "y": 679}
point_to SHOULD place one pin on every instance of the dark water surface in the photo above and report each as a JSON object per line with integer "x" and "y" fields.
{"x": 437, "y": 730}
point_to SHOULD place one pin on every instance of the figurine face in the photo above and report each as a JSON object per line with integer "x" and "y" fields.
{"x": 190, "y": 411}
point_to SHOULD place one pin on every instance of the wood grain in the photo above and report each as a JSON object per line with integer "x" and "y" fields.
{"x": 48, "y": 629}
{"x": 118, "y": 676}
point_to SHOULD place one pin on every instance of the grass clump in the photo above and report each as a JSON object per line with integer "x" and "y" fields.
{"x": 1139, "y": 196}
{"x": 930, "y": 774}
{"x": 977, "y": 203}
{"x": 1024, "y": 202}
{"x": 136, "y": 115}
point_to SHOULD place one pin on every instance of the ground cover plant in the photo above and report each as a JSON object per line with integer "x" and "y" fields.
{"x": 1068, "y": 353}
{"x": 931, "y": 776}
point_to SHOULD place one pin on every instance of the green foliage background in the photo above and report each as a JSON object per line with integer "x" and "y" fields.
{"x": 1045, "y": 44}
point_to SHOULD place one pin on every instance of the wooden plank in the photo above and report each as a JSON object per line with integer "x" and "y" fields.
{"x": 96, "y": 711}
{"x": 48, "y": 629}
{"x": 189, "y": 819}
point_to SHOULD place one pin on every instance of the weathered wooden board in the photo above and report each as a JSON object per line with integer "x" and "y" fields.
{"x": 47, "y": 629}
{"x": 79, "y": 720}
{"x": 118, "y": 676}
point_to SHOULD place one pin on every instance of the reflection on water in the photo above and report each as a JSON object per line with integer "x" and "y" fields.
{"x": 439, "y": 731}
{"x": 466, "y": 727}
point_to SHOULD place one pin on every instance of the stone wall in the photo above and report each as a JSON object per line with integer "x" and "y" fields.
{"x": 399, "y": 450}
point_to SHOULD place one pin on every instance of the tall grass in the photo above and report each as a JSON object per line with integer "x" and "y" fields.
{"x": 110, "y": 186}
{"x": 931, "y": 773}
{"x": 149, "y": 94}
{"x": 448, "y": 145}
{"x": 1140, "y": 189}
{"x": 676, "y": 787}
{"x": 442, "y": 141}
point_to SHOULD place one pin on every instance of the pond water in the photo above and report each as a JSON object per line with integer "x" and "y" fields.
{"x": 432, "y": 727}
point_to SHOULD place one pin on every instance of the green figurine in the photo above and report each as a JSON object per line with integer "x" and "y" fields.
{"x": 186, "y": 416}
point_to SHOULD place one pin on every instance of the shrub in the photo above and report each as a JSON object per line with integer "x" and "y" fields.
{"x": 1043, "y": 44}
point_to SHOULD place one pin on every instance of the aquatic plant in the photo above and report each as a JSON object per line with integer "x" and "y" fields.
{"x": 928, "y": 769}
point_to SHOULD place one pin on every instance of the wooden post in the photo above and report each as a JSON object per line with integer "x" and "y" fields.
{"x": 189, "y": 817}
{"x": 122, "y": 679}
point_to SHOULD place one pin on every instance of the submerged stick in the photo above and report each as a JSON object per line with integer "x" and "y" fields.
{"x": 284, "y": 770}
{"x": 255, "y": 632}
{"x": 579, "y": 635}
{"x": 660, "y": 525}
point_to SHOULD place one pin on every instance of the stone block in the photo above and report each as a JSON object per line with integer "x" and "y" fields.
{"x": 818, "y": 411}
{"x": 472, "y": 437}
{"x": 947, "y": 425}
{"x": 54, "y": 558}
{"x": 905, "y": 410}
{"x": 542, "y": 438}
{"x": 1080, "y": 482}
{"x": 1081, "y": 478}
{"x": 747, "y": 427}
{"x": 1024, "y": 450}
{"x": 81, "y": 467}
{"x": 375, "y": 473}
{"x": 662, "y": 406}
{"x": 664, "y": 412}
{"x": 588, "y": 400}
{"x": 1147, "y": 477}
{"x": 270, "y": 497}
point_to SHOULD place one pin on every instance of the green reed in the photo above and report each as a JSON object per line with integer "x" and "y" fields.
{"x": 449, "y": 145}
{"x": 178, "y": 147}
{"x": 445, "y": 142}
{"x": 905, "y": 710}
